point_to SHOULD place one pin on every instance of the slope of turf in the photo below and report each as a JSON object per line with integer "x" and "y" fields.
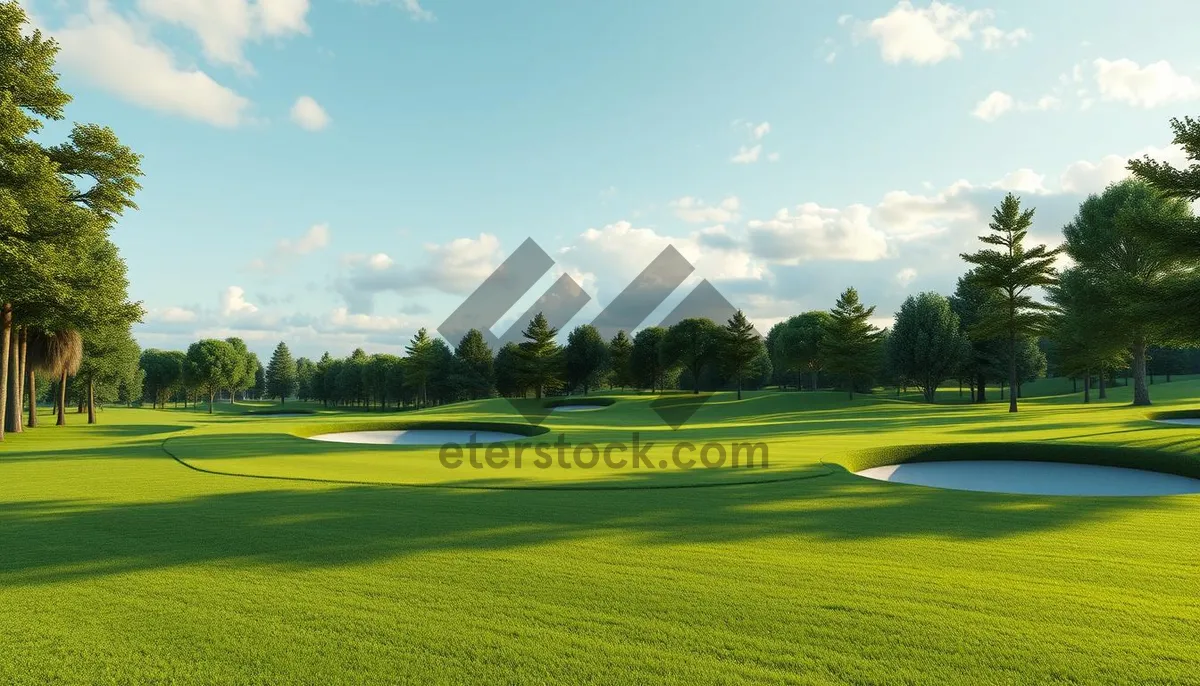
{"x": 118, "y": 564}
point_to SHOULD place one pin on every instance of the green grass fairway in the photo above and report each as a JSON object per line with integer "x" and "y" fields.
{"x": 173, "y": 546}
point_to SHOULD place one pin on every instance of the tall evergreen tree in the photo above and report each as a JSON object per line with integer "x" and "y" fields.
{"x": 541, "y": 357}
{"x": 418, "y": 364}
{"x": 477, "y": 359}
{"x": 850, "y": 345}
{"x": 619, "y": 350}
{"x": 740, "y": 347}
{"x": 1011, "y": 271}
{"x": 281, "y": 374}
{"x": 508, "y": 371}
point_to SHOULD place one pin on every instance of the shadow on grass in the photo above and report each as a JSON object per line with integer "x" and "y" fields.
{"x": 324, "y": 526}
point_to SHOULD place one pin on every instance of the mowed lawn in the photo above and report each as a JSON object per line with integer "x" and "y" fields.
{"x": 121, "y": 561}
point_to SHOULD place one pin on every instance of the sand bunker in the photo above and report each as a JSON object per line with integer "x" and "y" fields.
{"x": 1187, "y": 421}
{"x": 418, "y": 437}
{"x": 1034, "y": 478}
{"x": 577, "y": 408}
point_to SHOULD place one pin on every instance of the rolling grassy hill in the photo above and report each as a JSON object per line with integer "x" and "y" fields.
{"x": 119, "y": 563}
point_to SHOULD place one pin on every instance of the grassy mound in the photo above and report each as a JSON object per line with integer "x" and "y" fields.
{"x": 278, "y": 411}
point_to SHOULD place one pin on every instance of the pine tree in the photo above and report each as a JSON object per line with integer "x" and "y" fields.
{"x": 1011, "y": 271}
{"x": 418, "y": 364}
{"x": 850, "y": 345}
{"x": 1176, "y": 297}
{"x": 281, "y": 373}
{"x": 477, "y": 359}
{"x": 740, "y": 347}
{"x": 619, "y": 351}
{"x": 541, "y": 357}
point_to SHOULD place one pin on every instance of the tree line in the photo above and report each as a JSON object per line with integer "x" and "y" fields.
{"x": 1130, "y": 300}
{"x": 65, "y": 315}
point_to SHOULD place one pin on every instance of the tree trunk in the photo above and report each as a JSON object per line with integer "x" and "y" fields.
{"x": 1103, "y": 387}
{"x": 1074, "y": 386}
{"x": 1141, "y": 394}
{"x": 1087, "y": 387}
{"x": 813, "y": 373}
{"x": 211, "y": 396}
{"x": 1012, "y": 374}
{"x": 21, "y": 359}
{"x": 12, "y": 414}
{"x": 62, "y": 399}
{"x": 31, "y": 389}
{"x": 981, "y": 395}
{"x": 739, "y": 389}
{"x": 91, "y": 402}
{"x": 5, "y": 340}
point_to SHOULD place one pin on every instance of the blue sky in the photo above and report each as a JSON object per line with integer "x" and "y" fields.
{"x": 337, "y": 173}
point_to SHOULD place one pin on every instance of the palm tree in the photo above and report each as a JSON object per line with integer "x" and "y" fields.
{"x": 58, "y": 353}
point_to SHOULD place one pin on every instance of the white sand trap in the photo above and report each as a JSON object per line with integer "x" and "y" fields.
{"x": 1187, "y": 421}
{"x": 1034, "y": 478}
{"x": 417, "y": 437}
{"x": 577, "y": 408}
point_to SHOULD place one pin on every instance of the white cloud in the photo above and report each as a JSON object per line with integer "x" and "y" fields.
{"x": 906, "y": 216}
{"x": 342, "y": 320}
{"x": 121, "y": 57}
{"x": 233, "y": 302}
{"x": 1085, "y": 176}
{"x": 1023, "y": 181}
{"x": 283, "y": 17}
{"x": 752, "y": 151}
{"x": 695, "y": 211}
{"x": 773, "y": 157}
{"x": 1155, "y": 84}
{"x": 315, "y": 238}
{"x": 995, "y": 105}
{"x": 380, "y": 261}
{"x": 456, "y": 267}
{"x": 309, "y": 115}
{"x": 905, "y": 276}
{"x": 1046, "y": 102}
{"x": 604, "y": 260}
{"x": 746, "y": 155}
{"x": 812, "y": 232}
{"x": 928, "y": 35}
{"x": 224, "y": 26}
{"x": 995, "y": 39}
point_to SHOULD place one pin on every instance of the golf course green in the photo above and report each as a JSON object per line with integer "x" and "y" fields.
{"x": 171, "y": 545}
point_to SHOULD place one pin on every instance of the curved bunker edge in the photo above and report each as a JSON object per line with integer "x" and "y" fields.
{"x": 1043, "y": 454}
